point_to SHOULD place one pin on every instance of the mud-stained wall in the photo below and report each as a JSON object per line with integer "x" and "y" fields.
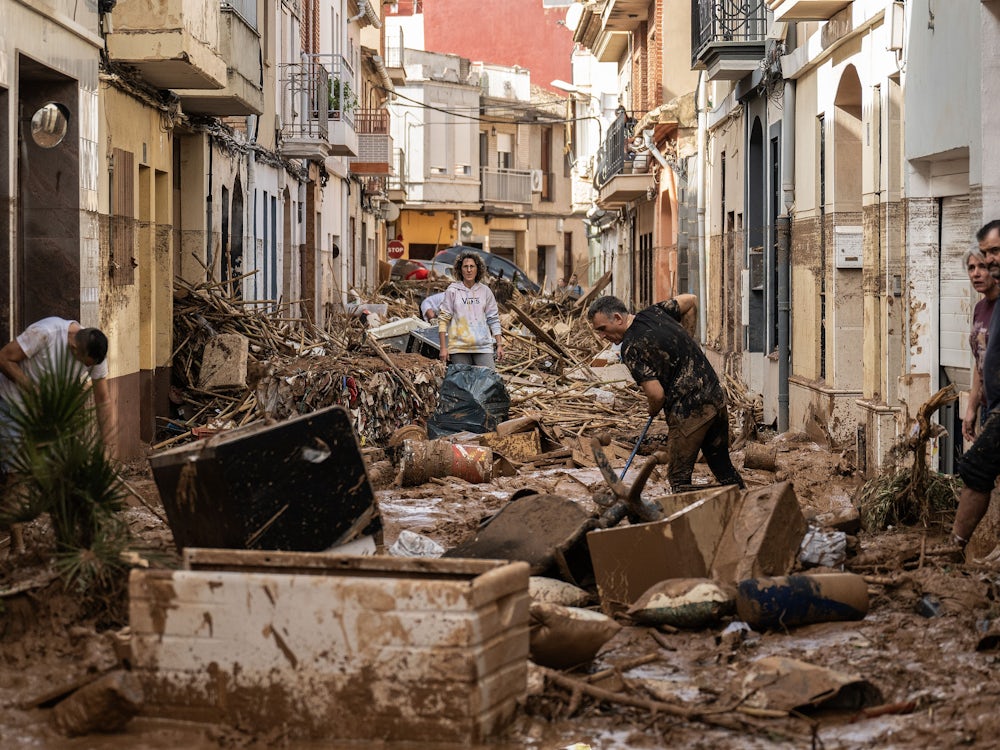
{"x": 665, "y": 245}
{"x": 725, "y": 183}
{"x": 825, "y": 415}
{"x": 192, "y": 170}
{"x": 136, "y": 301}
{"x": 844, "y": 311}
{"x": 806, "y": 268}
{"x": 920, "y": 296}
{"x": 883, "y": 283}
{"x": 39, "y": 57}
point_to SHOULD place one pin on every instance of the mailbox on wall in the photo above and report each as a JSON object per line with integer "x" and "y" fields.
{"x": 848, "y": 245}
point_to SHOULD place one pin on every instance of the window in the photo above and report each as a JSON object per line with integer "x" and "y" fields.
{"x": 505, "y": 151}
{"x": 548, "y": 194}
{"x": 441, "y": 143}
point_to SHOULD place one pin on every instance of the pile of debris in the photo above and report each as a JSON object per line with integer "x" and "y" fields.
{"x": 577, "y": 574}
{"x": 381, "y": 399}
{"x": 237, "y": 362}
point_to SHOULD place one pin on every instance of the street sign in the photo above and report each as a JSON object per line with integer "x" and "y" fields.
{"x": 395, "y": 248}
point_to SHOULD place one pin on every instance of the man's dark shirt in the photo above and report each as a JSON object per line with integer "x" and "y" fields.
{"x": 991, "y": 363}
{"x": 656, "y": 347}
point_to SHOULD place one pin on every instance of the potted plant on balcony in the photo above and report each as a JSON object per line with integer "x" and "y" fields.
{"x": 342, "y": 98}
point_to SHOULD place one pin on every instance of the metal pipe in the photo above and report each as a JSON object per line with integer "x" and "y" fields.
{"x": 647, "y": 139}
{"x": 783, "y": 259}
{"x": 638, "y": 442}
{"x": 362, "y": 10}
{"x": 702, "y": 133}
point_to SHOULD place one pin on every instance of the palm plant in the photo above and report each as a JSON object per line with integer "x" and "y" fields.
{"x": 59, "y": 466}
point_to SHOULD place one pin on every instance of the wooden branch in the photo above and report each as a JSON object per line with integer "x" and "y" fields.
{"x": 726, "y": 721}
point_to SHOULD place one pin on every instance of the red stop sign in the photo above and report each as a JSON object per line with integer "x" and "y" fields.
{"x": 395, "y": 248}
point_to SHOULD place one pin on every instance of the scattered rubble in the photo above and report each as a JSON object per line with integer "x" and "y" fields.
{"x": 361, "y": 610}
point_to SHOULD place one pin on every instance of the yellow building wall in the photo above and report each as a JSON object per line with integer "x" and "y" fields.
{"x": 137, "y": 314}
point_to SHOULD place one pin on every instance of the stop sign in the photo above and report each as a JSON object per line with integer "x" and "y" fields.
{"x": 395, "y": 248}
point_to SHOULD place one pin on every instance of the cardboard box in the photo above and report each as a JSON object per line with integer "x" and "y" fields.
{"x": 719, "y": 533}
{"x": 763, "y": 538}
{"x": 334, "y": 647}
{"x": 629, "y": 559}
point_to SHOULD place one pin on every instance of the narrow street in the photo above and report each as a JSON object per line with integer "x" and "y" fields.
{"x": 914, "y": 655}
{"x": 552, "y": 374}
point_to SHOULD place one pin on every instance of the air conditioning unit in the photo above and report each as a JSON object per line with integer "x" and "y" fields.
{"x": 537, "y": 178}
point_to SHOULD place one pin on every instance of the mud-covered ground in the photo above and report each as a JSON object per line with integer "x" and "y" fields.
{"x": 946, "y": 689}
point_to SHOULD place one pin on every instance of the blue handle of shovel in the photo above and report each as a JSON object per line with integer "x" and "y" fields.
{"x": 637, "y": 444}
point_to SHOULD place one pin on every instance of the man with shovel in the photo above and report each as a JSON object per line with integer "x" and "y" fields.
{"x": 677, "y": 378}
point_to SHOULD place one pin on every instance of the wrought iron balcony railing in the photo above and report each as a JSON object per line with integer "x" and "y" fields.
{"x": 611, "y": 156}
{"x": 316, "y": 91}
{"x": 374, "y": 142}
{"x": 720, "y": 21}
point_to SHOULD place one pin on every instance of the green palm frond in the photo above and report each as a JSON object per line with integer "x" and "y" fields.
{"x": 55, "y": 403}
{"x": 61, "y": 468}
{"x": 99, "y": 566}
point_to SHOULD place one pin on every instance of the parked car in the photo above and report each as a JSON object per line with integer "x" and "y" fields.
{"x": 496, "y": 266}
{"x": 403, "y": 268}
{"x": 408, "y": 268}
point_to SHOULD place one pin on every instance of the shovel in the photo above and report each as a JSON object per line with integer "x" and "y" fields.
{"x": 637, "y": 444}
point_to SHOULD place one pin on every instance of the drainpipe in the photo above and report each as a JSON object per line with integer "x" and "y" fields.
{"x": 702, "y": 137}
{"x": 383, "y": 75}
{"x": 208, "y": 208}
{"x": 250, "y": 227}
{"x": 784, "y": 232}
{"x": 362, "y": 11}
{"x": 647, "y": 138}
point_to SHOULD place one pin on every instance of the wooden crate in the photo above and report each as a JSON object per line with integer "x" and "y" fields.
{"x": 369, "y": 648}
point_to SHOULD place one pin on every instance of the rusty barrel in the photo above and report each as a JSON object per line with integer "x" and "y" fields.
{"x": 757, "y": 456}
{"x": 790, "y": 601}
{"x": 423, "y": 459}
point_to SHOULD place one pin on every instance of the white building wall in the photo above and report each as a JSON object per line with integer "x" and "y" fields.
{"x": 70, "y": 46}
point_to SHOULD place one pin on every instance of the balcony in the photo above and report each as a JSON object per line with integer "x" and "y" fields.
{"x": 374, "y": 143}
{"x": 174, "y": 44}
{"x": 317, "y": 101}
{"x": 806, "y": 10}
{"x": 395, "y": 57}
{"x": 304, "y": 117}
{"x": 605, "y": 29}
{"x": 342, "y": 104}
{"x": 240, "y": 44}
{"x": 727, "y": 37}
{"x": 505, "y": 185}
{"x": 396, "y": 183}
{"x": 621, "y": 176}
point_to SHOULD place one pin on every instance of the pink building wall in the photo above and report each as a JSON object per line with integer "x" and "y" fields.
{"x": 510, "y": 32}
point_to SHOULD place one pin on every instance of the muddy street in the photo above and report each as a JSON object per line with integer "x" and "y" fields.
{"x": 346, "y": 545}
{"x": 933, "y": 685}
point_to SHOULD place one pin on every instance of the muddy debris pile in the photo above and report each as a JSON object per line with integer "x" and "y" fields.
{"x": 237, "y": 363}
{"x": 370, "y": 576}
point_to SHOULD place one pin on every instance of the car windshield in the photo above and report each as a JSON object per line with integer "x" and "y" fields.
{"x": 496, "y": 265}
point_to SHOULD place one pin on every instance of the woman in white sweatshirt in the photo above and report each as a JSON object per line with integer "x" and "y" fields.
{"x": 469, "y": 319}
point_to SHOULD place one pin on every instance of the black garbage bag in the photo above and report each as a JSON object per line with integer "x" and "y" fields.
{"x": 472, "y": 399}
